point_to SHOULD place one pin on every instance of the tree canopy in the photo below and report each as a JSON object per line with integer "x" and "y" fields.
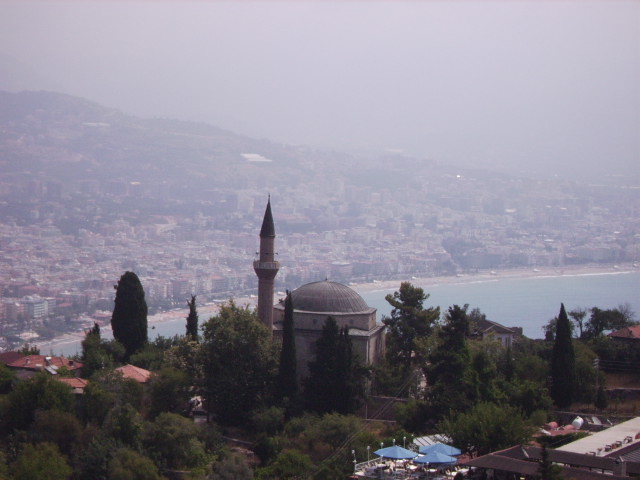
{"x": 192, "y": 319}
{"x": 336, "y": 378}
{"x": 240, "y": 363}
{"x": 563, "y": 363}
{"x": 288, "y": 370}
{"x": 129, "y": 318}
{"x": 449, "y": 373}
{"x": 487, "y": 427}
{"x": 408, "y": 322}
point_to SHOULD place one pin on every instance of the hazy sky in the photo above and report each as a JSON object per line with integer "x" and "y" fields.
{"x": 544, "y": 84}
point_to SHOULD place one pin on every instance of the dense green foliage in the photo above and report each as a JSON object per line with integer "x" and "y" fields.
{"x": 42, "y": 392}
{"x": 128, "y": 464}
{"x": 192, "y": 319}
{"x": 408, "y": 322}
{"x": 452, "y": 385}
{"x": 483, "y": 395}
{"x": 336, "y": 376}
{"x": 563, "y": 363}
{"x": 288, "y": 370}
{"x": 240, "y": 363}
{"x": 487, "y": 427}
{"x": 232, "y": 467}
{"x": 129, "y": 318}
{"x": 42, "y": 461}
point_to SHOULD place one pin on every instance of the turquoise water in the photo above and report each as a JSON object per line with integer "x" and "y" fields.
{"x": 528, "y": 302}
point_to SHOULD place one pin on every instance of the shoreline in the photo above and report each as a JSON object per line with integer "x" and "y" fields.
{"x": 207, "y": 310}
{"x": 493, "y": 276}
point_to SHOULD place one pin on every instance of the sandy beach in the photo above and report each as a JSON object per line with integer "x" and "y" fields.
{"x": 572, "y": 270}
{"x": 208, "y": 310}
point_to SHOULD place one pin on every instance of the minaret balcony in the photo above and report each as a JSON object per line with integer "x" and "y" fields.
{"x": 257, "y": 264}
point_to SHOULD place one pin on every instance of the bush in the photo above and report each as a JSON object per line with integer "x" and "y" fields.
{"x": 268, "y": 420}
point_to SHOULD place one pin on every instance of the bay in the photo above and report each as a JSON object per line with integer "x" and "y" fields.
{"x": 528, "y": 302}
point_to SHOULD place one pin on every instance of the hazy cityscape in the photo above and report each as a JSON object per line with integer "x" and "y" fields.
{"x": 447, "y": 195}
{"x": 89, "y": 192}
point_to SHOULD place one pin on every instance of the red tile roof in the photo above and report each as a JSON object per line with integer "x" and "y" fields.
{"x": 77, "y": 384}
{"x": 38, "y": 362}
{"x": 632, "y": 332}
{"x": 136, "y": 373}
{"x": 8, "y": 357}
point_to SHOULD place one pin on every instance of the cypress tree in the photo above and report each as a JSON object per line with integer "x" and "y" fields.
{"x": 601, "y": 401}
{"x": 321, "y": 390}
{"x": 547, "y": 470}
{"x": 336, "y": 378}
{"x": 288, "y": 374}
{"x": 563, "y": 363}
{"x": 129, "y": 318}
{"x": 192, "y": 319}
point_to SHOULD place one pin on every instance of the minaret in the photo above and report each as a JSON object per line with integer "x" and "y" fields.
{"x": 266, "y": 268}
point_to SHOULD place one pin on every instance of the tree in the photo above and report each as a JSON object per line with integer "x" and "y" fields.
{"x": 289, "y": 464}
{"x": 578, "y": 315}
{"x": 486, "y": 376}
{"x": 240, "y": 363}
{"x": 563, "y": 363}
{"x": 547, "y": 470}
{"x": 7, "y": 379}
{"x": 232, "y": 467}
{"x": 487, "y": 427}
{"x": 128, "y": 464}
{"x": 288, "y": 372}
{"x": 41, "y": 392}
{"x": 408, "y": 322}
{"x": 192, "y": 319}
{"x": 604, "y": 320}
{"x": 449, "y": 373}
{"x": 529, "y": 397}
{"x": 97, "y": 353}
{"x": 124, "y": 424}
{"x": 94, "y": 459}
{"x": 168, "y": 391}
{"x": 187, "y": 356}
{"x": 174, "y": 442}
{"x": 108, "y": 388}
{"x": 129, "y": 318}
{"x": 601, "y": 401}
{"x": 336, "y": 378}
{"x": 60, "y": 428}
{"x": 42, "y": 461}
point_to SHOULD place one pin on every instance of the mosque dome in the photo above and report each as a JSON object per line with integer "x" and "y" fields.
{"x": 328, "y": 297}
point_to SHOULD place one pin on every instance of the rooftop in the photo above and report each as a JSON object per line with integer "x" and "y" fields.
{"x": 606, "y": 442}
{"x": 328, "y": 297}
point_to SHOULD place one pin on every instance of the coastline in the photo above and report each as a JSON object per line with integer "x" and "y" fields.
{"x": 491, "y": 276}
{"x": 207, "y": 310}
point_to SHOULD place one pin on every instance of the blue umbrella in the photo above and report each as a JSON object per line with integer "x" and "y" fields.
{"x": 395, "y": 452}
{"x": 442, "y": 448}
{"x": 435, "y": 458}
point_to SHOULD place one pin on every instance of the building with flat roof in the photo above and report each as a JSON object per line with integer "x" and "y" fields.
{"x": 608, "y": 442}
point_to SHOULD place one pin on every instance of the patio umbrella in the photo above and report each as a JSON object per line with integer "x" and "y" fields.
{"x": 442, "y": 448}
{"x": 435, "y": 458}
{"x": 395, "y": 452}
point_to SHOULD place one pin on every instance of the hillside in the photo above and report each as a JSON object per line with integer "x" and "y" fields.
{"x": 60, "y": 137}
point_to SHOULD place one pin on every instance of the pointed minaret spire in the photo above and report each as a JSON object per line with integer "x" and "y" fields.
{"x": 266, "y": 267}
{"x": 268, "y": 230}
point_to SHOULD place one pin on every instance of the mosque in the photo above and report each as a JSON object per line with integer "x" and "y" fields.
{"x": 313, "y": 303}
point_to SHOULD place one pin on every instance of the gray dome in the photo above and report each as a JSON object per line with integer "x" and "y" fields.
{"x": 328, "y": 296}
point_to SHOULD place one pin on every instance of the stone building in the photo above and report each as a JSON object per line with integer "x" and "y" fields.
{"x": 313, "y": 303}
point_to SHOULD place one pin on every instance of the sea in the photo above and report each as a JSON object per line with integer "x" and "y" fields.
{"x": 528, "y": 302}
